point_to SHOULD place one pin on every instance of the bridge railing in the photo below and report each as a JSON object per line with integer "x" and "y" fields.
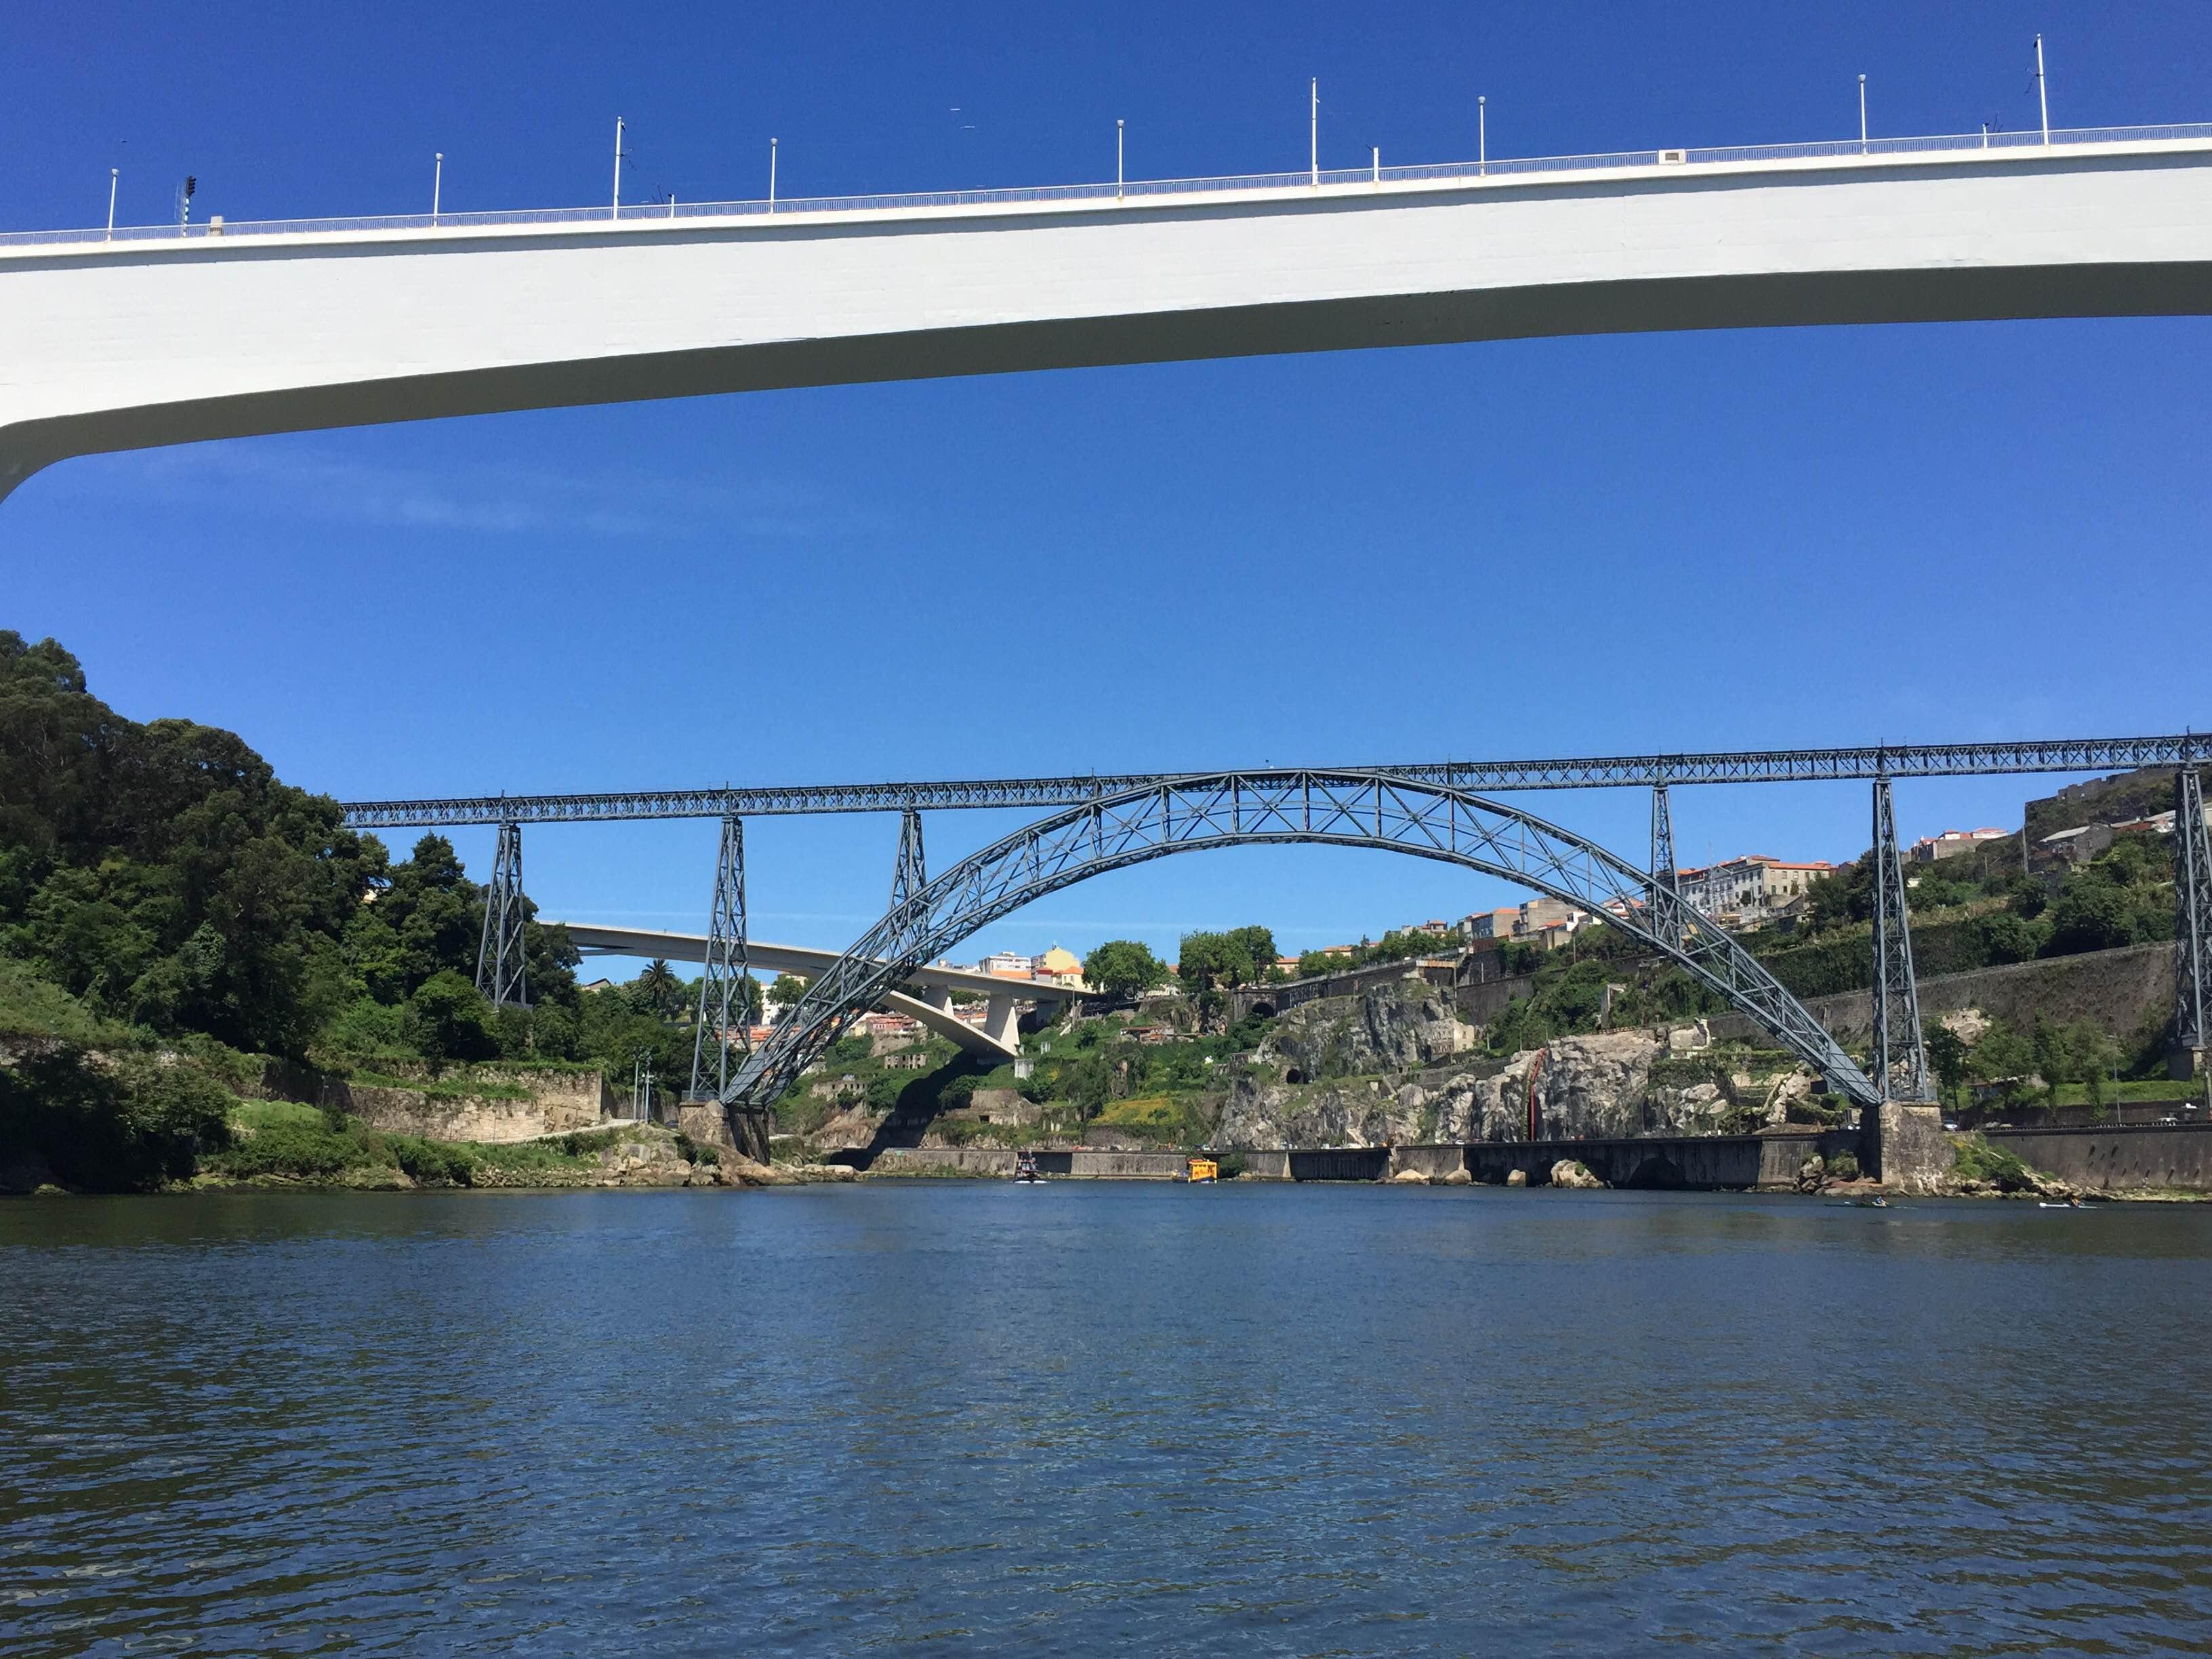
{"x": 1256, "y": 184}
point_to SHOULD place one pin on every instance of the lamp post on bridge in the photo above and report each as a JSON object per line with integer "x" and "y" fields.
{"x": 2042, "y": 96}
{"x": 1313, "y": 133}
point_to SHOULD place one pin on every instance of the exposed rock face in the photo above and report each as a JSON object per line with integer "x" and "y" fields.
{"x": 1568, "y": 1173}
{"x": 1516, "y": 1177}
{"x": 1259, "y": 1117}
{"x": 1459, "y": 1178}
{"x": 652, "y": 1163}
{"x": 1585, "y": 1086}
{"x": 1410, "y": 1178}
{"x": 1969, "y": 1026}
{"x": 1397, "y": 1027}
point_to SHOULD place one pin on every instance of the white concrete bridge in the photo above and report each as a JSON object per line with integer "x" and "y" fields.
{"x": 151, "y": 337}
{"x": 927, "y": 999}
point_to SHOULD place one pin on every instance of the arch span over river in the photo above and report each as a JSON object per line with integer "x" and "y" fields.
{"x": 1369, "y": 809}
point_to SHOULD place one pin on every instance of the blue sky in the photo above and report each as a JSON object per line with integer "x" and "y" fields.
{"x": 1549, "y": 547}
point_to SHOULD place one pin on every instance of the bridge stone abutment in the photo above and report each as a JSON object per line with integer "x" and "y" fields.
{"x": 740, "y": 1129}
{"x": 1904, "y": 1145}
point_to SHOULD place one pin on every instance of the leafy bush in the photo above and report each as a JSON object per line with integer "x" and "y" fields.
{"x": 1232, "y": 1164}
{"x": 1844, "y": 1167}
{"x": 123, "y": 1124}
{"x": 1975, "y": 1159}
{"x": 431, "y": 1163}
{"x": 448, "y": 1019}
{"x": 2010, "y": 939}
{"x": 303, "y": 1152}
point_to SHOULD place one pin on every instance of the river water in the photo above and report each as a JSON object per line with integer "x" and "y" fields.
{"x": 963, "y": 1418}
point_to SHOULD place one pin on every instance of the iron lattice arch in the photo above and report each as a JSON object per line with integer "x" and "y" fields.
{"x": 1288, "y": 807}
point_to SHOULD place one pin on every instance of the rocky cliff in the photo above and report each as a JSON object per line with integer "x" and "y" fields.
{"x": 1398, "y": 1027}
{"x": 1332, "y": 1073}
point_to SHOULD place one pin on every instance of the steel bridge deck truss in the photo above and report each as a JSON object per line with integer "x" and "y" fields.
{"x": 1367, "y": 810}
{"x": 1769, "y": 766}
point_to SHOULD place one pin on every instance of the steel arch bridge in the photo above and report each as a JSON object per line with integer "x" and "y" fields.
{"x": 1279, "y": 807}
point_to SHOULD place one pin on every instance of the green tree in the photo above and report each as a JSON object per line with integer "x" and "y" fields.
{"x": 1257, "y": 946}
{"x": 160, "y": 872}
{"x": 1947, "y": 1057}
{"x": 1834, "y": 901}
{"x": 2010, "y": 939}
{"x": 2000, "y": 1055}
{"x": 785, "y": 990}
{"x": 1208, "y": 962}
{"x": 659, "y": 990}
{"x": 448, "y": 1019}
{"x": 2091, "y": 915}
{"x": 1124, "y": 968}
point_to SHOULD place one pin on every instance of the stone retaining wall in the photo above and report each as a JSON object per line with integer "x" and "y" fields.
{"x": 2119, "y": 989}
{"x": 559, "y": 1102}
{"x": 2115, "y": 1159}
{"x": 1700, "y": 1162}
{"x": 437, "y": 1117}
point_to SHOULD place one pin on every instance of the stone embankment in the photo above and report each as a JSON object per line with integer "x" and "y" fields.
{"x": 2119, "y": 990}
{"x": 487, "y": 1106}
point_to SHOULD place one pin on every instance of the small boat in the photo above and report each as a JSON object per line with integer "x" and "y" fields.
{"x": 2062, "y": 1204}
{"x": 1025, "y": 1169}
{"x": 1203, "y": 1171}
{"x": 1858, "y": 1203}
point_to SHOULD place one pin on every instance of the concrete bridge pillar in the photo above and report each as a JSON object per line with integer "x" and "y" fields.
{"x": 1001, "y": 1024}
{"x": 1903, "y": 1146}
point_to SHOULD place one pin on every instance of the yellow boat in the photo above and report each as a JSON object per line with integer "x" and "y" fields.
{"x": 1203, "y": 1168}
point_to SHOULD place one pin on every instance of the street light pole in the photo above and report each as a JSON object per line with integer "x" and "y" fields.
{"x": 1862, "y": 135}
{"x": 114, "y": 178}
{"x": 1482, "y": 134}
{"x": 2042, "y": 96}
{"x": 1313, "y": 135}
{"x": 771, "y": 175}
{"x": 615, "y": 212}
{"x": 1117, "y": 158}
{"x": 437, "y": 183}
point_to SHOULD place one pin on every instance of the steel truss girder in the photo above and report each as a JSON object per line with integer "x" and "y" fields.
{"x": 911, "y": 874}
{"x": 2192, "y": 911}
{"x": 500, "y": 972}
{"x": 723, "y": 1036}
{"x": 1900, "y": 1058}
{"x": 1747, "y": 766}
{"x": 1234, "y": 809}
{"x": 1664, "y": 870}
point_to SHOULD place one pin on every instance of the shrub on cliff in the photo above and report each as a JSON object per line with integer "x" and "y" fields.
{"x": 110, "y": 1123}
{"x": 1975, "y": 1159}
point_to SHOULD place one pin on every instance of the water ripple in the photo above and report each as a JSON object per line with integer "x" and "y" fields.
{"x": 974, "y": 1419}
